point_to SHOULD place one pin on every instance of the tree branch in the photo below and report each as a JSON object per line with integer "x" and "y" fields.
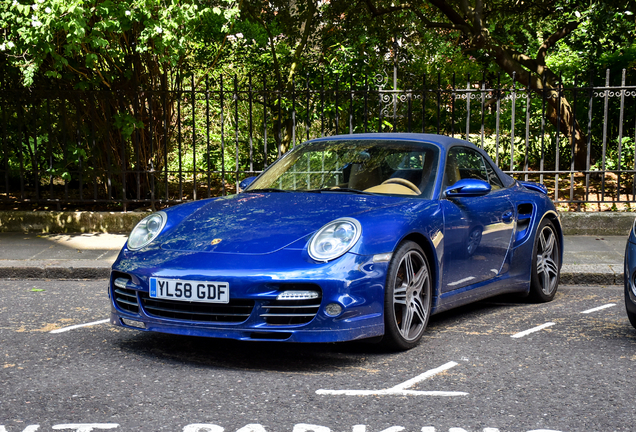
{"x": 272, "y": 45}
{"x": 311, "y": 12}
{"x": 450, "y": 13}
{"x": 549, "y": 42}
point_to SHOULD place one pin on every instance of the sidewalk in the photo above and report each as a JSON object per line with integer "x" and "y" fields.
{"x": 587, "y": 259}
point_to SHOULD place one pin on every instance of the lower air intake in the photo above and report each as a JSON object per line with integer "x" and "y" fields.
{"x": 236, "y": 311}
{"x": 290, "y": 312}
{"x": 126, "y": 299}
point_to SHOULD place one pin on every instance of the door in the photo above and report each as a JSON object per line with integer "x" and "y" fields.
{"x": 477, "y": 229}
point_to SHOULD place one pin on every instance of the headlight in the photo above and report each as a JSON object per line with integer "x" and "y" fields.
{"x": 334, "y": 239}
{"x": 147, "y": 230}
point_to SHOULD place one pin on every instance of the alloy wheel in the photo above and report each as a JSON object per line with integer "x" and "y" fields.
{"x": 410, "y": 296}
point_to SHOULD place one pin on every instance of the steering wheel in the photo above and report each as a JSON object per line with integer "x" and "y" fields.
{"x": 403, "y": 182}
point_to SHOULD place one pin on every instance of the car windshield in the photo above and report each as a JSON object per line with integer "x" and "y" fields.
{"x": 355, "y": 166}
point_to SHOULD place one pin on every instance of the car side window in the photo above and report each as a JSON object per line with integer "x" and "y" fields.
{"x": 493, "y": 178}
{"x": 463, "y": 163}
{"x": 466, "y": 163}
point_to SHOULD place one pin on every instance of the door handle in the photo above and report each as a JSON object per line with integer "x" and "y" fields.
{"x": 507, "y": 217}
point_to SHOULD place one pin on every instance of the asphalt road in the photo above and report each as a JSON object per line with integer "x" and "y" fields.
{"x": 477, "y": 369}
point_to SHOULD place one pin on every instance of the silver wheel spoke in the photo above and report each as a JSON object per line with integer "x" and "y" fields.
{"x": 408, "y": 269}
{"x": 542, "y": 240}
{"x": 407, "y": 319}
{"x": 418, "y": 309}
{"x": 547, "y": 267}
{"x": 550, "y": 266}
{"x": 399, "y": 295}
{"x": 420, "y": 277}
{"x": 546, "y": 282}
{"x": 548, "y": 244}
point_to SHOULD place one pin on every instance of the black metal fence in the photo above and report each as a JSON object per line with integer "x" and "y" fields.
{"x": 189, "y": 139}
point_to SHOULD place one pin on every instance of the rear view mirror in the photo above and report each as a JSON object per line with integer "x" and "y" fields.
{"x": 467, "y": 188}
{"x": 245, "y": 183}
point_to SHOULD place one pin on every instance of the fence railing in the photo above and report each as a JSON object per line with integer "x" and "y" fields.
{"x": 190, "y": 139}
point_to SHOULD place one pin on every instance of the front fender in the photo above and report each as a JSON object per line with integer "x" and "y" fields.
{"x": 383, "y": 231}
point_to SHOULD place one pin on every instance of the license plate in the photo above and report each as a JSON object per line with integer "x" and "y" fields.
{"x": 190, "y": 290}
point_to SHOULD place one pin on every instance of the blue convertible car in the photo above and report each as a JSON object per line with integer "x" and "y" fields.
{"x": 344, "y": 238}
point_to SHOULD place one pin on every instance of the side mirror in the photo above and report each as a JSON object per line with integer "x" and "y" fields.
{"x": 245, "y": 183}
{"x": 468, "y": 188}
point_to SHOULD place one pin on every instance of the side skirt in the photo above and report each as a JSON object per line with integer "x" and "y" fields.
{"x": 480, "y": 291}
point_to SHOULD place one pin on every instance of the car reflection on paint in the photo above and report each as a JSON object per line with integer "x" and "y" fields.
{"x": 344, "y": 238}
{"x": 630, "y": 276}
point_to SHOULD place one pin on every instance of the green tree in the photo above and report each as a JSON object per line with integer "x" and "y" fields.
{"x": 132, "y": 47}
{"x": 518, "y": 38}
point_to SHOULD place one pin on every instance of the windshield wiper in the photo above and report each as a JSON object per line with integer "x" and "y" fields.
{"x": 265, "y": 190}
{"x": 337, "y": 190}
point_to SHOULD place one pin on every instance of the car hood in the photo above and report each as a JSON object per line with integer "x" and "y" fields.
{"x": 261, "y": 223}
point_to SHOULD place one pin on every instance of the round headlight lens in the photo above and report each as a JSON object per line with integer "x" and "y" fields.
{"x": 334, "y": 239}
{"x": 147, "y": 230}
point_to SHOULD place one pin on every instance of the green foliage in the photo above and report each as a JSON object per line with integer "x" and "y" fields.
{"x": 605, "y": 39}
{"x": 612, "y": 161}
{"x": 88, "y": 42}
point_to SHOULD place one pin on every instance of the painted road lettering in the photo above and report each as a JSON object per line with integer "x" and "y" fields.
{"x": 77, "y": 427}
{"x": 255, "y": 427}
{"x": 85, "y": 427}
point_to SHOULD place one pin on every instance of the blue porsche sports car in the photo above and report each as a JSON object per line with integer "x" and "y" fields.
{"x": 344, "y": 238}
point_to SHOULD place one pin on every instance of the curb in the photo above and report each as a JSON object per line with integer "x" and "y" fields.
{"x": 50, "y": 222}
{"x": 59, "y": 273}
{"x": 597, "y": 223}
{"x": 605, "y": 274}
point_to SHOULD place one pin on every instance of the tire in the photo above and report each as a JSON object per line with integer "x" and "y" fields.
{"x": 546, "y": 265}
{"x": 407, "y": 297}
{"x": 630, "y": 315}
{"x": 628, "y": 302}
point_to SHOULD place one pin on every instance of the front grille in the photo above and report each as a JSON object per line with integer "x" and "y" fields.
{"x": 290, "y": 312}
{"x": 235, "y": 311}
{"x": 126, "y": 299}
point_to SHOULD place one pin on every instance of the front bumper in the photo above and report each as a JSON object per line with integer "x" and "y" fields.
{"x": 353, "y": 282}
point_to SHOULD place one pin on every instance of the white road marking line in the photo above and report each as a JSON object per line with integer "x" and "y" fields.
{"x": 609, "y": 305}
{"x": 532, "y": 330}
{"x": 425, "y": 375}
{"x": 65, "y": 329}
{"x": 400, "y": 389}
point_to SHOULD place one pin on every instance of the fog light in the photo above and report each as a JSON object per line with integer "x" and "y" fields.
{"x": 298, "y": 295}
{"x": 121, "y": 282}
{"x": 333, "y": 309}
{"x": 133, "y": 323}
{"x": 633, "y": 284}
